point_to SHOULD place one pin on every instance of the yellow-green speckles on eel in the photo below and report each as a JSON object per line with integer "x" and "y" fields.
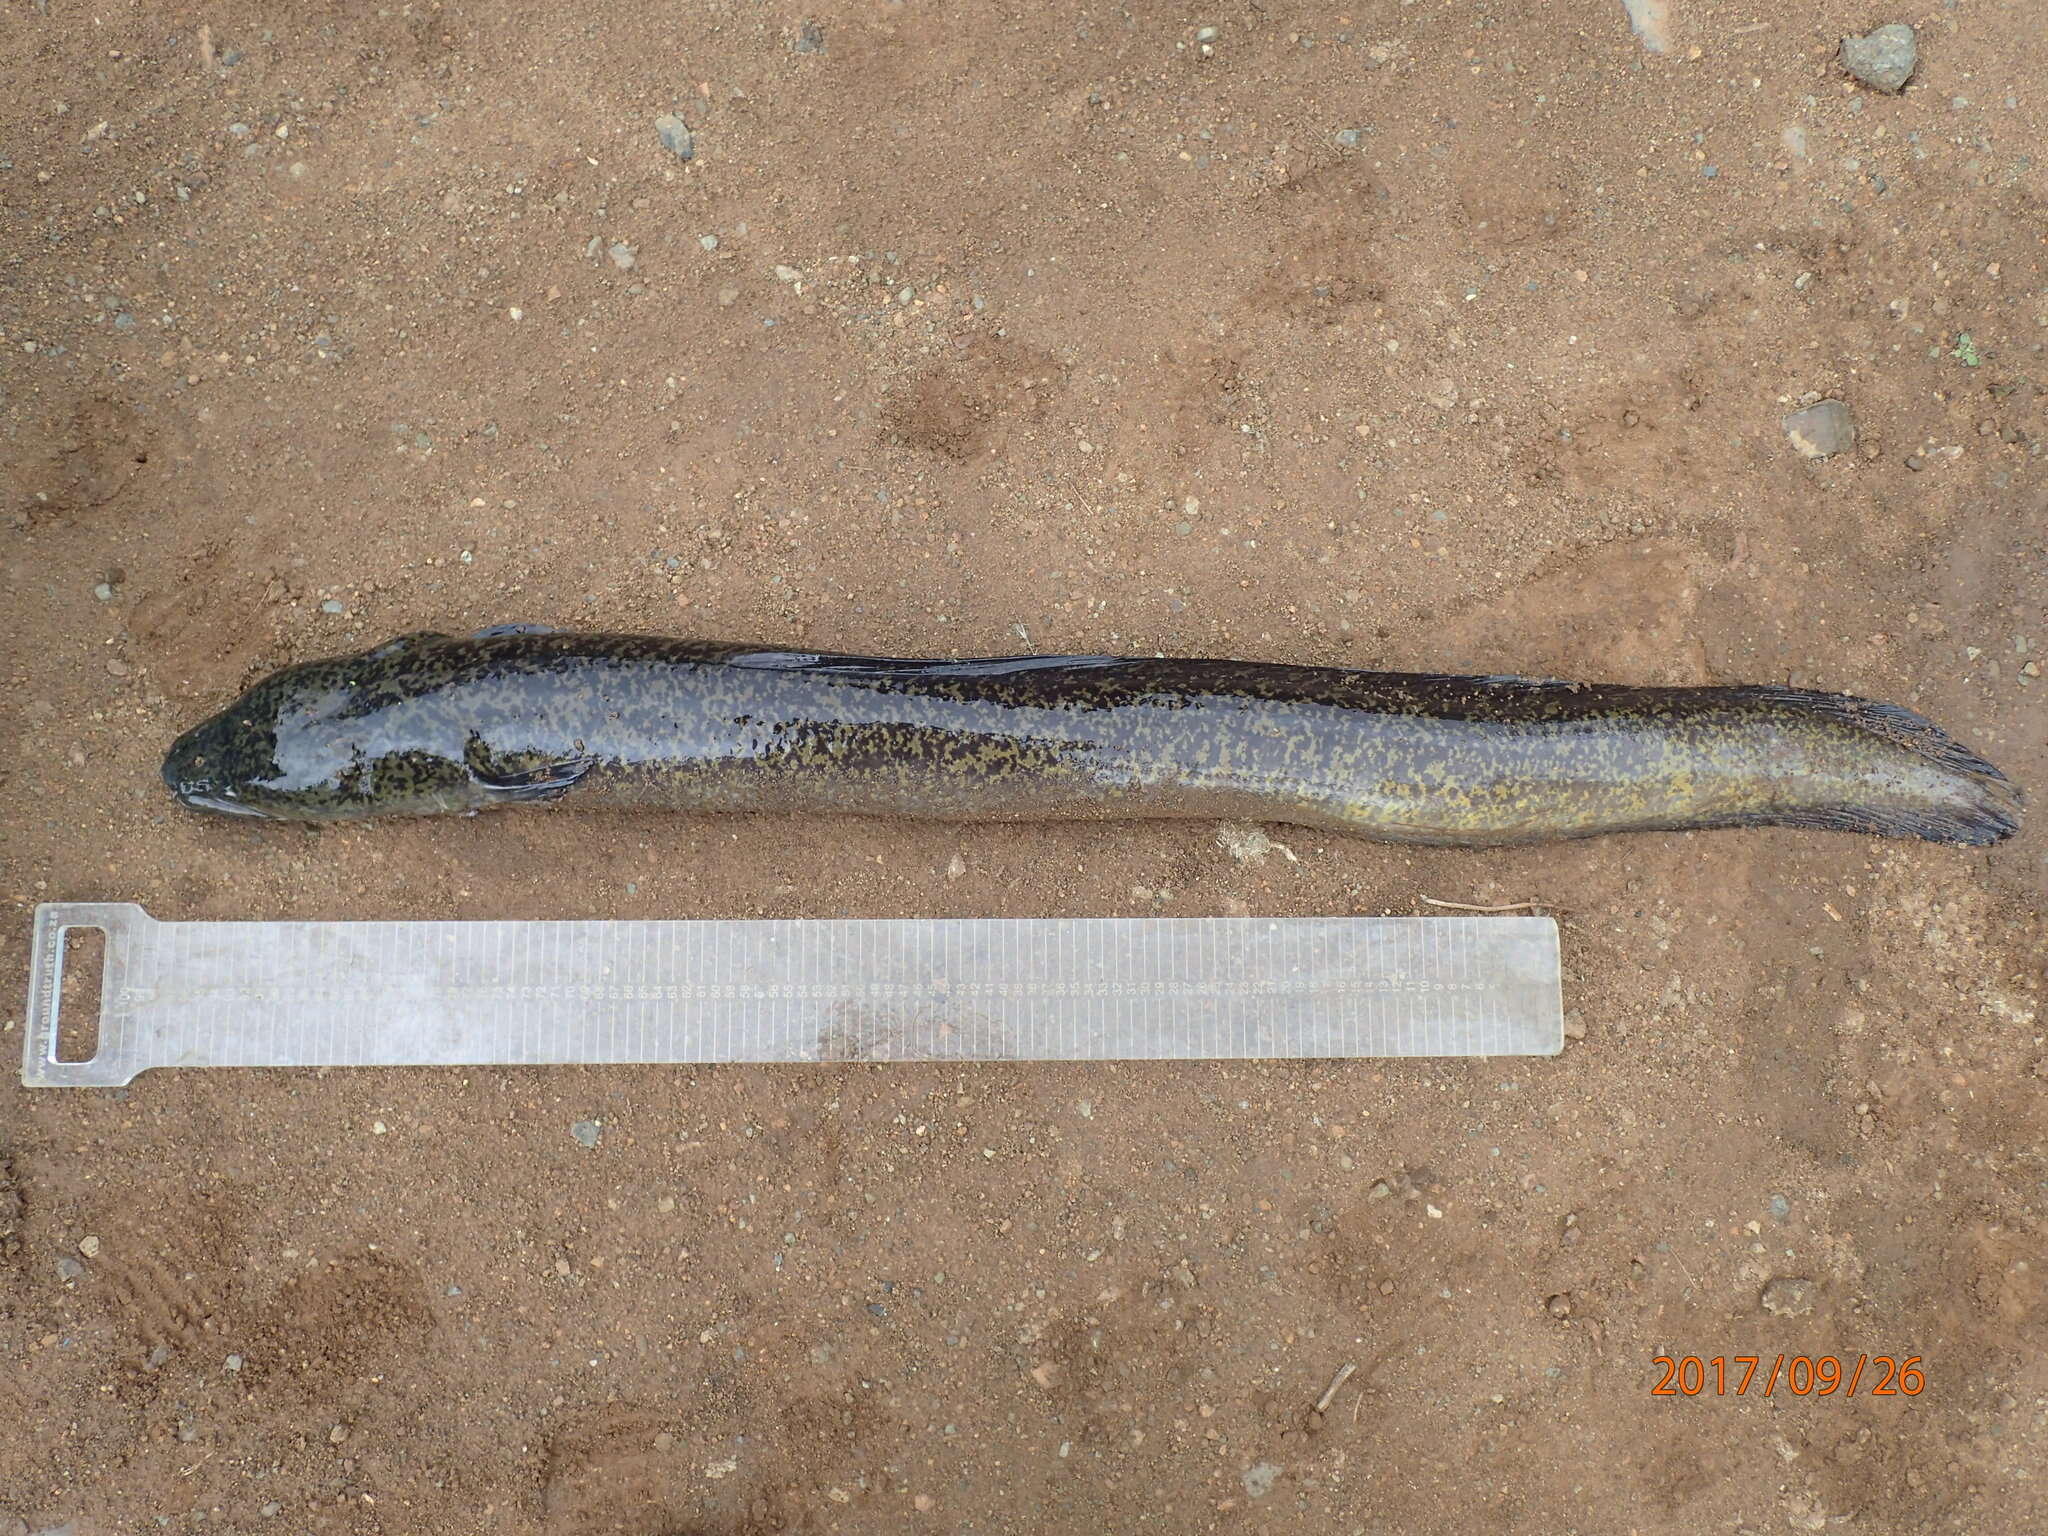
{"x": 434, "y": 723}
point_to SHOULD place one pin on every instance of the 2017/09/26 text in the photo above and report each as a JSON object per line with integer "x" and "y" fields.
{"x": 1799, "y": 1375}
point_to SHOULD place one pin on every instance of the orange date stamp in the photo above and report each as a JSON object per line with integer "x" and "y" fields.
{"x": 1796, "y": 1375}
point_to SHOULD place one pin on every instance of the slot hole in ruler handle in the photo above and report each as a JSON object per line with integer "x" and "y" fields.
{"x": 81, "y": 978}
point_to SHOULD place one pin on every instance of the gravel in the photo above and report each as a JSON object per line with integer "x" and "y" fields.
{"x": 675, "y": 136}
{"x": 623, "y": 255}
{"x": 587, "y": 1132}
{"x": 1787, "y": 1296}
{"x": 1882, "y": 59}
{"x": 1822, "y": 430}
{"x": 1259, "y": 1479}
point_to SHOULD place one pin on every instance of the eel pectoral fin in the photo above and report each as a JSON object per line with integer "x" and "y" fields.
{"x": 525, "y": 779}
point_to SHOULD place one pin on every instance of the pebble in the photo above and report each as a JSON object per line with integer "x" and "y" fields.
{"x": 1780, "y": 1207}
{"x": 675, "y": 136}
{"x": 270, "y": 1508}
{"x": 587, "y": 1132}
{"x": 234, "y": 1362}
{"x": 334, "y": 605}
{"x": 1259, "y": 1479}
{"x": 1788, "y": 1296}
{"x": 622, "y": 255}
{"x": 89, "y": 1246}
{"x": 810, "y": 38}
{"x": 104, "y": 592}
{"x": 1882, "y": 59}
{"x": 1348, "y": 137}
{"x": 709, "y": 242}
{"x": 69, "y": 1268}
{"x": 1823, "y": 430}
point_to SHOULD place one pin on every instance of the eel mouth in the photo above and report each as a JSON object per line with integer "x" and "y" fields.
{"x": 226, "y": 804}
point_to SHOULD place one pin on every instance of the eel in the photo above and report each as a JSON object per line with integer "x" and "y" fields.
{"x": 522, "y": 715}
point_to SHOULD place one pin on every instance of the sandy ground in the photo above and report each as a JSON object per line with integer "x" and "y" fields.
{"x": 1422, "y": 336}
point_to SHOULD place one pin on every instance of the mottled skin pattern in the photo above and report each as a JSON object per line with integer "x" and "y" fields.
{"x": 431, "y": 723}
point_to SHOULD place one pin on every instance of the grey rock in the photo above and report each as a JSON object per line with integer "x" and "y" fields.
{"x": 810, "y": 38}
{"x": 1780, "y": 1207}
{"x": 69, "y": 1268}
{"x": 623, "y": 255}
{"x": 675, "y": 136}
{"x": 1882, "y": 59}
{"x": 104, "y": 592}
{"x": 1259, "y": 1479}
{"x": 334, "y": 605}
{"x": 1787, "y": 1296}
{"x": 586, "y": 1132}
{"x": 1822, "y": 430}
{"x": 1348, "y": 137}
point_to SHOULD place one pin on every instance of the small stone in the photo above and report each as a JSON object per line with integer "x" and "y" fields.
{"x": 1780, "y": 1207}
{"x": 89, "y": 1246}
{"x": 269, "y": 1509}
{"x": 956, "y": 867}
{"x": 1380, "y": 1190}
{"x": 234, "y": 1362}
{"x": 1823, "y": 430}
{"x": 675, "y": 136}
{"x": 1259, "y": 1479}
{"x": 1803, "y": 282}
{"x": 334, "y": 605}
{"x": 709, "y": 242}
{"x": 1348, "y": 138}
{"x": 587, "y": 1132}
{"x": 1560, "y": 1305}
{"x": 337, "y": 1434}
{"x": 623, "y": 255}
{"x": 157, "y": 1357}
{"x": 810, "y": 38}
{"x": 1787, "y": 1296}
{"x": 1443, "y": 394}
{"x": 1883, "y": 59}
{"x": 69, "y": 1268}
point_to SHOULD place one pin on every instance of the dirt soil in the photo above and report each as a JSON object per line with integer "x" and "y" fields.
{"x": 1423, "y": 336}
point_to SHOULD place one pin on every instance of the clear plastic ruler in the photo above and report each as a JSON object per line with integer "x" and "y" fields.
{"x": 303, "y": 994}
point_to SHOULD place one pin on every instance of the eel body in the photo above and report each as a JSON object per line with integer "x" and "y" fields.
{"x": 434, "y": 724}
